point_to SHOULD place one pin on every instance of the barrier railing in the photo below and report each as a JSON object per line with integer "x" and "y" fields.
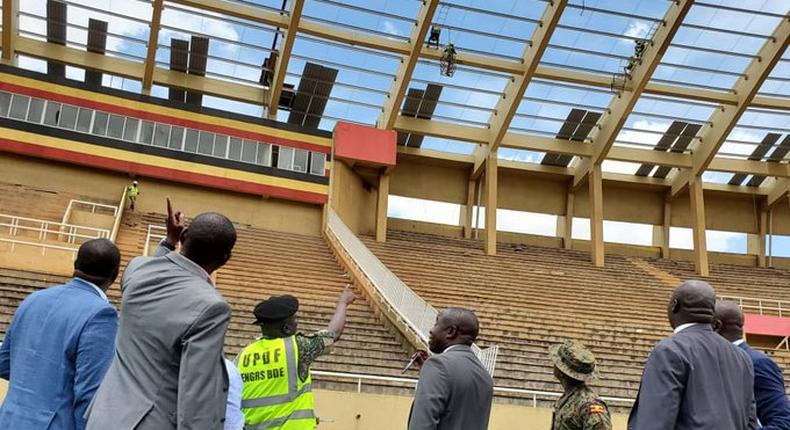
{"x": 119, "y": 214}
{"x": 415, "y": 312}
{"x": 44, "y": 246}
{"x": 45, "y": 228}
{"x": 533, "y": 395}
{"x": 761, "y": 306}
{"x": 153, "y": 235}
{"x": 92, "y": 206}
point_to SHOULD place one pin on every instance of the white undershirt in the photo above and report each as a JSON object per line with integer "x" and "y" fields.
{"x": 739, "y": 342}
{"x": 682, "y": 327}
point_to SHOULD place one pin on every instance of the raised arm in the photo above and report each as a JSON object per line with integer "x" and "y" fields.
{"x": 174, "y": 224}
{"x": 338, "y": 322}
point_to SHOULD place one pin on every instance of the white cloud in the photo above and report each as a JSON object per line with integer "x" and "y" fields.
{"x": 390, "y": 28}
{"x": 616, "y": 232}
{"x": 423, "y": 210}
{"x": 638, "y": 29}
{"x": 718, "y": 241}
{"x": 619, "y": 167}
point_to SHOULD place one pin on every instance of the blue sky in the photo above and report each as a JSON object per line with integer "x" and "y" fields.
{"x": 587, "y": 38}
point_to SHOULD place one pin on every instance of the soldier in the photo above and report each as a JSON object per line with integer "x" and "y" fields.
{"x": 275, "y": 369}
{"x": 579, "y": 408}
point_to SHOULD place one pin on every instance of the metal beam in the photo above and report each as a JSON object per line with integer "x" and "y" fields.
{"x": 776, "y": 191}
{"x": 616, "y": 114}
{"x": 153, "y": 42}
{"x": 281, "y": 68}
{"x": 10, "y": 29}
{"x": 508, "y": 104}
{"x": 724, "y": 119}
{"x": 408, "y": 63}
{"x": 274, "y": 19}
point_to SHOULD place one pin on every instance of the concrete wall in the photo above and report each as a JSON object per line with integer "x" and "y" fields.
{"x": 353, "y": 199}
{"x": 274, "y": 214}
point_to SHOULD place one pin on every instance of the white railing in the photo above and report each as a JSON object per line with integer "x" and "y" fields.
{"x": 415, "y": 312}
{"x": 534, "y": 395}
{"x": 153, "y": 235}
{"x": 92, "y": 206}
{"x": 45, "y": 228}
{"x": 761, "y": 306}
{"x": 44, "y": 246}
{"x": 117, "y": 224}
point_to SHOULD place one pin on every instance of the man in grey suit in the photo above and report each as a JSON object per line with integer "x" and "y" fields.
{"x": 455, "y": 390}
{"x": 168, "y": 370}
{"x": 695, "y": 379}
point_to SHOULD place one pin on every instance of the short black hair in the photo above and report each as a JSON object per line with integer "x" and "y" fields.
{"x": 98, "y": 258}
{"x": 209, "y": 239}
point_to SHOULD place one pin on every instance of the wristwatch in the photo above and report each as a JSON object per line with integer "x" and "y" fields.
{"x": 167, "y": 245}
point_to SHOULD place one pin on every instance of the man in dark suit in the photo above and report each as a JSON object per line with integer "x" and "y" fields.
{"x": 59, "y": 345}
{"x": 694, "y": 379}
{"x": 455, "y": 390}
{"x": 773, "y": 407}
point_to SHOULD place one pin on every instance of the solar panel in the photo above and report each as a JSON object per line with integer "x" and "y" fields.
{"x": 419, "y": 104}
{"x": 679, "y": 146}
{"x": 97, "y": 43}
{"x": 56, "y": 33}
{"x": 776, "y": 156}
{"x": 572, "y": 121}
{"x": 198, "y": 56}
{"x": 757, "y": 154}
{"x": 179, "y": 57}
{"x": 585, "y": 126}
{"x": 312, "y": 95}
{"x": 663, "y": 144}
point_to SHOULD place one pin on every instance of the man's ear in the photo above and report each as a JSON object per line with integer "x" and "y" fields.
{"x": 452, "y": 332}
{"x": 183, "y": 235}
{"x": 674, "y": 306}
{"x": 717, "y": 325}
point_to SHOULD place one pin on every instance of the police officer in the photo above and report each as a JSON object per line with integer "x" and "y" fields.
{"x": 275, "y": 369}
{"x": 579, "y": 408}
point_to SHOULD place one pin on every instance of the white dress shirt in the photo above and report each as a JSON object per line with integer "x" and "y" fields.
{"x": 682, "y": 327}
{"x": 739, "y": 342}
{"x": 234, "y": 418}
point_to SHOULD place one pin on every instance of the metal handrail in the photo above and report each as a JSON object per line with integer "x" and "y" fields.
{"x": 761, "y": 305}
{"x": 410, "y": 382}
{"x": 43, "y": 246}
{"x": 116, "y": 225}
{"x": 415, "y": 312}
{"x": 45, "y": 227}
{"x": 151, "y": 235}
{"x": 93, "y": 206}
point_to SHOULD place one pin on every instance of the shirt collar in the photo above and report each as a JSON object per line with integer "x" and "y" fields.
{"x": 682, "y": 327}
{"x": 739, "y": 342}
{"x": 190, "y": 265}
{"x": 98, "y": 290}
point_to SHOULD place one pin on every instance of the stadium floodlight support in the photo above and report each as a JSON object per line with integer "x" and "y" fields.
{"x": 724, "y": 119}
{"x": 614, "y": 117}
{"x": 281, "y": 66}
{"x": 10, "y": 28}
{"x": 153, "y": 42}
{"x": 407, "y": 64}
{"x": 510, "y": 100}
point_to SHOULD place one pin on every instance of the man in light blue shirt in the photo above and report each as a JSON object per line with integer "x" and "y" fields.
{"x": 234, "y": 417}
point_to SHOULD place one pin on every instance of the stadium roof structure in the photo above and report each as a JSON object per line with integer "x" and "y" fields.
{"x": 556, "y": 87}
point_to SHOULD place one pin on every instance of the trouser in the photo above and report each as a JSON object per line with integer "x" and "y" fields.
{"x": 131, "y": 202}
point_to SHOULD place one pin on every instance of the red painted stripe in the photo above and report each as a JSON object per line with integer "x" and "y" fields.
{"x": 159, "y": 172}
{"x": 151, "y": 116}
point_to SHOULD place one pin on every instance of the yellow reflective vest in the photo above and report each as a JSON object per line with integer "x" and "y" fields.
{"x": 273, "y": 396}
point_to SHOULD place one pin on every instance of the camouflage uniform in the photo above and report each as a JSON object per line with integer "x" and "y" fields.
{"x": 312, "y": 347}
{"x": 581, "y": 409}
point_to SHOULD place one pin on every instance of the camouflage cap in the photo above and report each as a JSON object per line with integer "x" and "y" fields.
{"x": 574, "y": 360}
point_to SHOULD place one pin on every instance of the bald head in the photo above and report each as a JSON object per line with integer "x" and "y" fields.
{"x": 693, "y": 301}
{"x": 728, "y": 320}
{"x": 453, "y": 326}
{"x": 98, "y": 262}
{"x": 209, "y": 240}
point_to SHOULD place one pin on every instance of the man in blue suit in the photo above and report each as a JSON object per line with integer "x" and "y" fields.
{"x": 773, "y": 407}
{"x": 59, "y": 345}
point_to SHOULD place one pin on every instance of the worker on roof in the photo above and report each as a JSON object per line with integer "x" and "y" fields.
{"x": 132, "y": 191}
{"x": 579, "y": 408}
{"x": 275, "y": 369}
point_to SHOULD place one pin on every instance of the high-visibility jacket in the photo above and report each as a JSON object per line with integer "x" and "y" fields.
{"x": 132, "y": 191}
{"x": 273, "y": 395}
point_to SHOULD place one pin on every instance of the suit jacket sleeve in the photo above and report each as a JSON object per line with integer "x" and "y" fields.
{"x": 770, "y": 388}
{"x": 5, "y": 353}
{"x": 430, "y": 400}
{"x": 95, "y": 349}
{"x": 658, "y": 402}
{"x": 202, "y": 373}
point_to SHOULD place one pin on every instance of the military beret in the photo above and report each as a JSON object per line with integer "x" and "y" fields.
{"x": 275, "y": 308}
